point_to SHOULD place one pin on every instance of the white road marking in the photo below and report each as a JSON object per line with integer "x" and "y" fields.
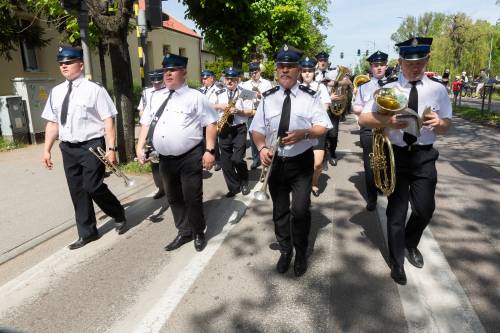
{"x": 433, "y": 300}
{"x": 159, "y": 314}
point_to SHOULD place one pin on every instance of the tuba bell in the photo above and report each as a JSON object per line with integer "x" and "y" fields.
{"x": 338, "y": 107}
{"x": 360, "y": 79}
{"x": 389, "y": 101}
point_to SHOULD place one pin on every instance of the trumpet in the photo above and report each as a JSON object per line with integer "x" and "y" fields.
{"x": 261, "y": 195}
{"x": 101, "y": 155}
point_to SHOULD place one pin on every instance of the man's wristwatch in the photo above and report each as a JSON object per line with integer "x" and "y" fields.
{"x": 113, "y": 148}
{"x": 211, "y": 151}
{"x": 306, "y": 135}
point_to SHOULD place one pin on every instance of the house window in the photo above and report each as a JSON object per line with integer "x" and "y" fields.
{"x": 28, "y": 54}
{"x": 166, "y": 49}
{"x": 182, "y": 51}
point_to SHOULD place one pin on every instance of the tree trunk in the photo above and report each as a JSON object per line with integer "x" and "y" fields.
{"x": 122, "y": 87}
{"x": 101, "y": 48}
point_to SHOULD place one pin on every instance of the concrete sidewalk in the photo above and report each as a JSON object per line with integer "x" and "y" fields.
{"x": 35, "y": 203}
{"x": 477, "y": 102}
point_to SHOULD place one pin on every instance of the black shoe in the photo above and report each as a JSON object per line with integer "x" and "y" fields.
{"x": 217, "y": 166}
{"x": 178, "y": 242}
{"x": 244, "y": 189}
{"x": 230, "y": 194}
{"x": 332, "y": 161}
{"x": 199, "y": 241}
{"x": 315, "y": 192}
{"x": 398, "y": 274}
{"x": 121, "y": 226}
{"x": 284, "y": 262}
{"x": 300, "y": 264}
{"x": 371, "y": 206}
{"x": 81, "y": 242}
{"x": 414, "y": 257}
{"x": 159, "y": 194}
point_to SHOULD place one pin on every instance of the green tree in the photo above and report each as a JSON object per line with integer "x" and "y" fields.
{"x": 13, "y": 30}
{"x": 427, "y": 25}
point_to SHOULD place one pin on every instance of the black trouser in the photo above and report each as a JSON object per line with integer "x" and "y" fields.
{"x": 292, "y": 224}
{"x": 85, "y": 174}
{"x": 416, "y": 179}
{"x": 332, "y": 136}
{"x": 232, "y": 143}
{"x": 155, "y": 168}
{"x": 182, "y": 176}
{"x": 366, "y": 138}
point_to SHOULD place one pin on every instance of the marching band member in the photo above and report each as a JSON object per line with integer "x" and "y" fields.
{"x": 80, "y": 113}
{"x": 156, "y": 79}
{"x": 307, "y": 77}
{"x": 173, "y": 124}
{"x": 208, "y": 89}
{"x": 322, "y": 69}
{"x": 415, "y": 158}
{"x": 293, "y": 114}
{"x": 259, "y": 85}
{"x": 378, "y": 66}
{"x": 233, "y": 137}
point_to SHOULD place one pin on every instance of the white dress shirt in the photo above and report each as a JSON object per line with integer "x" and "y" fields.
{"x": 306, "y": 112}
{"x": 365, "y": 92}
{"x": 430, "y": 93}
{"x": 321, "y": 90}
{"x": 146, "y": 97}
{"x": 180, "y": 127}
{"x": 222, "y": 97}
{"x": 89, "y": 104}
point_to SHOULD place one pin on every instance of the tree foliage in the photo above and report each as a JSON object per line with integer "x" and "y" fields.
{"x": 459, "y": 44}
{"x": 13, "y": 30}
{"x": 236, "y": 29}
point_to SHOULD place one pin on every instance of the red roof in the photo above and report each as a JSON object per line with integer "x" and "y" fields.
{"x": 175, "y": 25}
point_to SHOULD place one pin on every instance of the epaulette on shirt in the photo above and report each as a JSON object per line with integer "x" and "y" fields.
{"x": 270, "y": 91}
{"x": 307, "y": 90}
{"x": 96, "y": 82}
{"x": 220, "y": 91}
{"x": 383, "y": 82}
{"x": 435, "y": 79}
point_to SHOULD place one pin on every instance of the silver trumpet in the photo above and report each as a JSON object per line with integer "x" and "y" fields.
{"x": 261, "y": 195}
{"x": 101, "y": 155}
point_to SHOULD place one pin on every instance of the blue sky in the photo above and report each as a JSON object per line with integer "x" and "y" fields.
{"x": 368, "y": 24}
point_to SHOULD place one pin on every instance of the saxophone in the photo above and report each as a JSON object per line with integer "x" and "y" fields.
{"x": 338, "y": 107}
{"x": 227, "y": 116}
{"x": 389, "y": 101}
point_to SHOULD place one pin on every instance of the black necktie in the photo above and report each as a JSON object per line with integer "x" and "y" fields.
{"x": 285, "y": 115}
{"x": 65, "y": 103}
{"x": 380, "y": 83}
{"x": 412, "y": 104}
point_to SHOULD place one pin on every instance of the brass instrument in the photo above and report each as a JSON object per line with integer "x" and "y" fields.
{"x": 360, "y": 79}
{"x": 150, "y": 155}
{"x": 389, "y": 101}
{"x": 227, "y": 116}
{"x": 101, "y": 155}
{"x": 338, "y": 107}
{"x": 261, "y": 195}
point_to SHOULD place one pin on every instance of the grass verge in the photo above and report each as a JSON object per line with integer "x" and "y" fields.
{"x": 135, "y": 168}
{"x": 6, "y": 145}
{"x": 477, "y": 116}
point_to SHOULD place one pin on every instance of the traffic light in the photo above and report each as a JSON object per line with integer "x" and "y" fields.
{"x": 154, "y": 14}
{"x": 341, "y": 55}
{"x": 366, "y": 54}
{"x": 359, "y": 52}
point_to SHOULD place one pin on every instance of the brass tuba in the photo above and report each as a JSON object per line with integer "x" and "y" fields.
{"x": 338, "y": 107}
{"x": 389, "y": 101}
{"x": 360, "y": 79}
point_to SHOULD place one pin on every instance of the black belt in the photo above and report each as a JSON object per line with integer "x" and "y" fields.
{"x": 169, "y": 157}
{"x": 412, "y": 148}
{"x": 294, "y": 158}
{"x": 82, "y": 143}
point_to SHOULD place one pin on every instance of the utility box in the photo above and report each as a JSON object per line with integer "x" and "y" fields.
{"x": 13, "y": 119}
{"x": 35, "y": 91}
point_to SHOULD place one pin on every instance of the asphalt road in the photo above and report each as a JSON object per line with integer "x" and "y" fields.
{"x": 129, "y": 284}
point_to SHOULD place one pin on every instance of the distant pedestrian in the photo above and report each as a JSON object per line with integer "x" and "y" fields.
{"x": 456, "y": 87}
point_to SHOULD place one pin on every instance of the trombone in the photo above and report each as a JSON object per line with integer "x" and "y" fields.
{"x": 101, "y": 155}
{"x": 261, "y": 195}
